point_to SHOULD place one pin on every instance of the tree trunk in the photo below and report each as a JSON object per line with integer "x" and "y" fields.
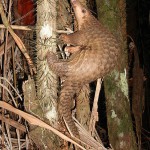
{"x": 46, "y": 82}
{"x": 120, "y": 130}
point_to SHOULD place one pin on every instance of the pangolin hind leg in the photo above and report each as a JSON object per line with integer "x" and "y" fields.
{"x": 58, "y": 66}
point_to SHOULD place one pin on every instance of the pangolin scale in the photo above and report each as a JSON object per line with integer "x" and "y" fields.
{"x": 96, "y": 54}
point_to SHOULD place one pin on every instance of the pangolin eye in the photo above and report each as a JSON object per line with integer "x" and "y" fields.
{"x": 83, "y": 10}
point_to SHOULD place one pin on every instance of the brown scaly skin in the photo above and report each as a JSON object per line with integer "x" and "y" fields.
{"x": 96, "y": 58}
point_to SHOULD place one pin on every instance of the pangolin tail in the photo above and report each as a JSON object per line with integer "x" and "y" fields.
{"x": 65, "y": 105}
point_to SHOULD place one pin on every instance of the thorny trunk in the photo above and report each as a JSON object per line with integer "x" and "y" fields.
{"x": 46, "y": 81}
{"x": 120, "y": 130}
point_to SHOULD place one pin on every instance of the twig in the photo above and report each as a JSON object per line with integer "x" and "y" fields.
{"x": 5, "y": 88}
{"x": 94, "y": 114}
{"x": 8, "y": 135}
{"x": 13, "y": 67}
{"x": 2, "y": 78}
{"x": 16, "y": 27}
{"x": 86, "y": 137}
{"x": 18, "y": 137}
{"x": 10, "y": 42}
{"x": 13, "y": 123}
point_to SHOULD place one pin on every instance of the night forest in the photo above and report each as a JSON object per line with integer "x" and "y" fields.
{"x": 42, "y": 106}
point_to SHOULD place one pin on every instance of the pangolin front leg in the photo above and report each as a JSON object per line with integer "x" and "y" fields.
{"x": 72, "y": 49}
{"x": 76, "y": 39}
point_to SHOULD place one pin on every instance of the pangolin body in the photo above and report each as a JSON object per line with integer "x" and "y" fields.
{"x": 97, "y": 53}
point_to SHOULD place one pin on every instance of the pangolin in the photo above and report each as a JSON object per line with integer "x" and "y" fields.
{"x": 96, "y": 53}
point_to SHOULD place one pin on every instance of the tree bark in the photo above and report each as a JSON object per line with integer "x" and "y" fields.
{"x": 46, "y": 81}
{"x": 120, "y": 130}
